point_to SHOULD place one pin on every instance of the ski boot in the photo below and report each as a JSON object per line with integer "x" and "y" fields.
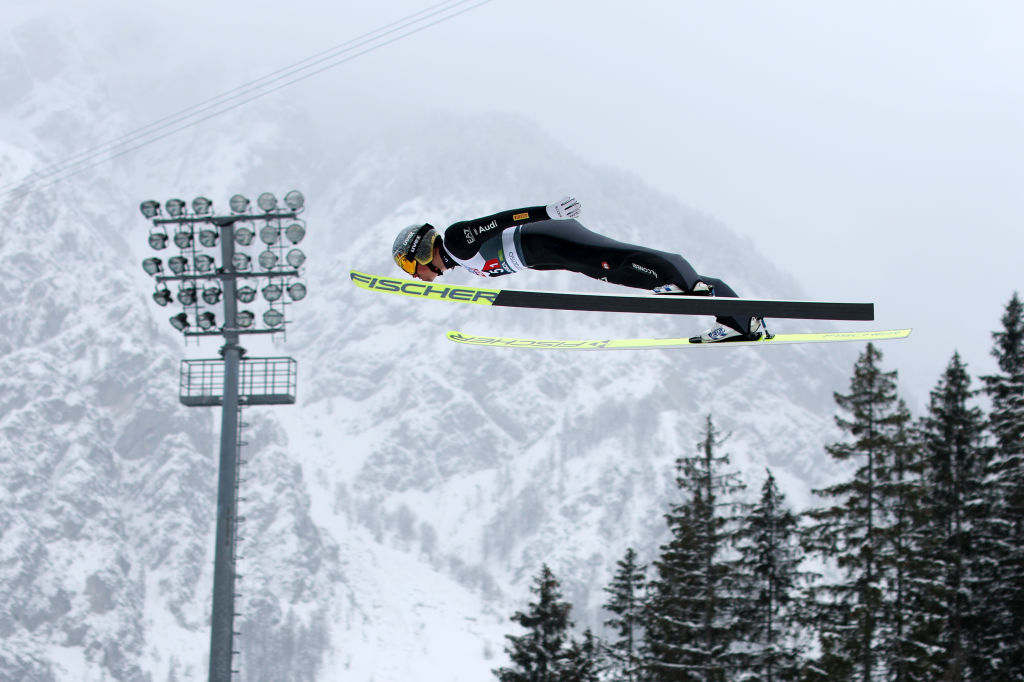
{"x": 722, "y": 332}
{"x": 699, "y": 289}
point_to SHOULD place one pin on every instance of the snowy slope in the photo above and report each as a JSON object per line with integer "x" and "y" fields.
{"x": 396, "y": 516}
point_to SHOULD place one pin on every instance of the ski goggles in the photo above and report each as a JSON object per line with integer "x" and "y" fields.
{"x": 407, "y": 264}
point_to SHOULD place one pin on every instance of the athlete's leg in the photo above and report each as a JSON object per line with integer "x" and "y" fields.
{"x": 567, "y": 245}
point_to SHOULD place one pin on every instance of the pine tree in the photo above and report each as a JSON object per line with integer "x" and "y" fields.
{"x": 853, "y": 533}
{"x": 1001, "y": 572}
{"x": 541, "y": 654}
{"x": 584, "y": 660}
{"x": 625, "y": 600}
{"x": 951, "y": 439}
{"x": 903, "y": 491}
{"x": 690, "y": 610}
{"x": 770, "y": 565}
{"x": 1006, "y": 389}
{"x": 673, "y": 609}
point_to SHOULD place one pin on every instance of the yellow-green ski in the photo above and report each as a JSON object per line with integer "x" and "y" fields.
{"x": 646, "y": 344}
{"x": 615, "y": 303}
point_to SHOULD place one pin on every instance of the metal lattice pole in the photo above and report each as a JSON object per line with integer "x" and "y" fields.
{"x": 223, "y": 619}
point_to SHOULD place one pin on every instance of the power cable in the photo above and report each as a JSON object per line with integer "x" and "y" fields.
{"x": 224, "y": 102}
{"x": 223, "y": 97}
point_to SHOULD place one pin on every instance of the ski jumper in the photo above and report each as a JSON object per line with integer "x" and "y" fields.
{"x": 522, "y": 238}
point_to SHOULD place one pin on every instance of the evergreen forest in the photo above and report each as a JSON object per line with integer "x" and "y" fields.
{"x": 910, "y": 570}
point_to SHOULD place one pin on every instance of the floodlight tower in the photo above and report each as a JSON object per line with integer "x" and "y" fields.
{"x": 235, "y": 380}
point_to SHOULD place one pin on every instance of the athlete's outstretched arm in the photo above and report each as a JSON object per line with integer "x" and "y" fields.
{"x": 462, "y": 239}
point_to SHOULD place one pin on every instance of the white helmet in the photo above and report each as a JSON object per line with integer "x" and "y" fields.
{"x": 414, "y": 245}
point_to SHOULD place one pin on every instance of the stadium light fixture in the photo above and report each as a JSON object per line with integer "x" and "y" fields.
{"x": 202, "y": 206}
{"x": 244, "y": 236}
{"x": 152, "y": 266}
{"x": 244, "y": 319}
{"x": 239, "y": 204}
{"x": 241, "y": 261}
{"x": 204, "y": 263}
{"x": 272, "y": 292}
{"x": 183, "y": 238}
{"x": 208, "y": 238}
{"x": 297, "y": 291}
{"x": 269, "y": 234}
{"x": 295, "y": 258}
{"x": 295, "y": 233}
{"x": 187, "y": 294}
{"x": 150, "y": 209}
{"x": 294, "y": 200}
{"x": 180, "y": 322}
{"x": 177, "y": 264}
{"x": 175, "y": 208}
{"x": 268, "y": 259}
{"x": 246, "y": 294}
{"x": 212, "y": 294}
{"x": 162, "y": 296}
{"x": 158, "y": 239}
{"x": 207, "y": 321}
{"x": 273, "y": 318}
{"x": 267, "y": 202}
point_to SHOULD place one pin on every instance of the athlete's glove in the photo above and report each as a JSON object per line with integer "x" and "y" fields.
{"x": 568, "y": 207}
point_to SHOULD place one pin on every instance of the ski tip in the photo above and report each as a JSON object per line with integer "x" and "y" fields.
{"x": 360, "y": 279}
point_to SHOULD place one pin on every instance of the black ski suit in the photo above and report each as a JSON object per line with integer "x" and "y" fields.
{"x": 522, "y": 238}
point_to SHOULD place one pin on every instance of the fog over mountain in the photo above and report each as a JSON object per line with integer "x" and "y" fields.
{"x": 394, "y": 517}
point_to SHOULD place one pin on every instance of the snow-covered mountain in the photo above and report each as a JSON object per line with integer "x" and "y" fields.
{"x": 396, "y": 515}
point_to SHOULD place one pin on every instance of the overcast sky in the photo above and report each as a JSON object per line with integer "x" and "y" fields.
{"x": 872, "y": 149}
